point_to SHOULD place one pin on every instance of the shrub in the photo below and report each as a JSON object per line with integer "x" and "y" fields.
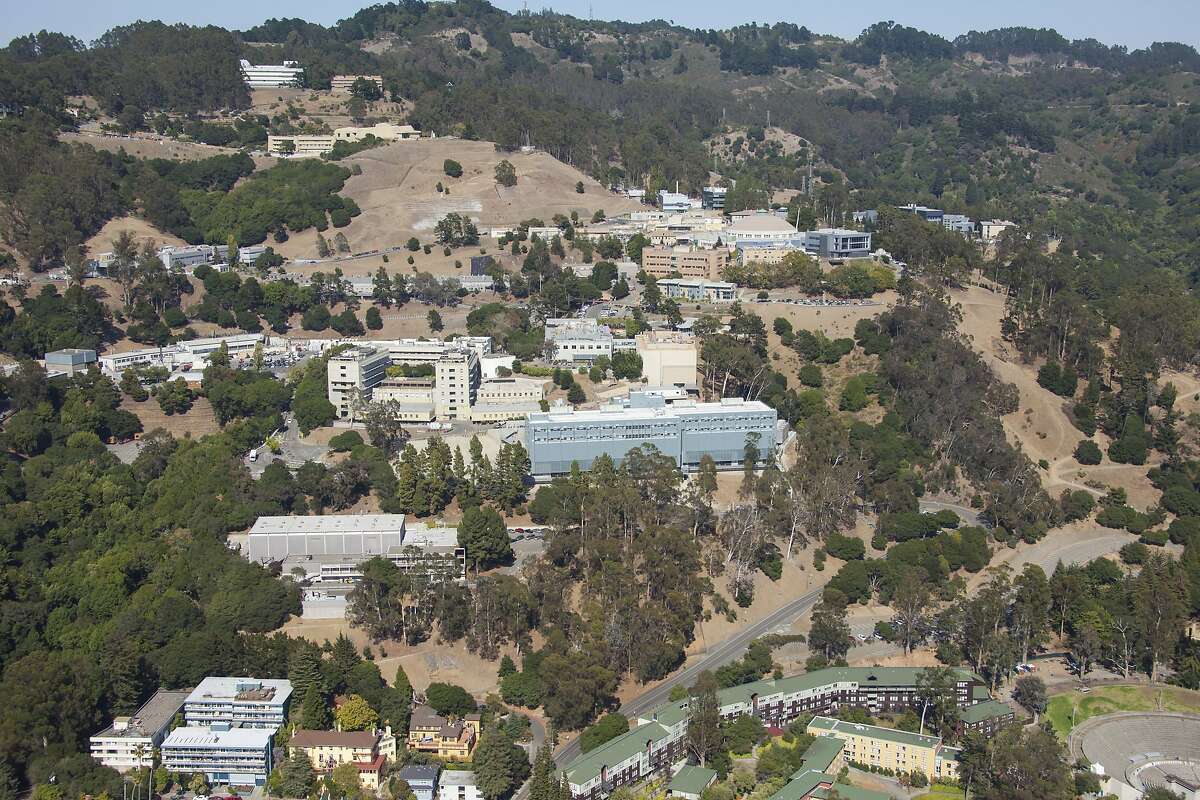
{"x": 1183, "y": 529}
{"x": 345, "y": 442}
{"x": 452, "y": 168}
{"x": 1158, "y": 538}
{"x": 1077, "y": 504}
{"x": 1135, "y": 553}
{"x": 1088, "y": 452}
{"x": 846, "y": 548}
{"x": 374, "y": 320}
{"x": 810, "y": 375}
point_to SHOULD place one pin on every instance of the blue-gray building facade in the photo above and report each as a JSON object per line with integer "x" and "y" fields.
{"x": 685, "y": 430}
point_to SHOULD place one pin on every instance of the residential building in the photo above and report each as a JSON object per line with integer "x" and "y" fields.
{"x": 986, "y": 717}
{"x": 658, "y": 739}
{"x": 367, "y": 750}
{"x": 241, "y": 702}
{"x": 343, "y": 83}
{"x": 352, "y": 376}
{"x": 429, "y": 732}
{"x": 990, "y": 229}
{"x": 685, "y": 431}
{"x": 269, "y": 76}
{"x": 689, "y": 262}
{"x": 129, "y": 742}
{"x": 668, "y": 359}
{"x": 690, "y": 782}
{"x": 70, "y": 361}
{"x": 224, "y": 754}
{"x": 456, "y": 784}
{"x": 300, "y": 144}
{"x": 698, "y": 290}
{"x": 837, "y": 243}
{"x": 673, "y": 201}
{"x": 422, "y": 779}
{"x": 889, "y": 749}
{"x": 714, "y": 197}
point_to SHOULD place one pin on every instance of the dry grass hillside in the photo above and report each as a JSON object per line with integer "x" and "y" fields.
{"x": 398, "y": 195}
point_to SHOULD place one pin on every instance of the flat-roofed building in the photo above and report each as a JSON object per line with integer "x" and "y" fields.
{"x": 689, "y": 262}
{"x": 685, "y": 431}
{"x": 456, "y": 381}
{"x": 129, "y": 742}
{"x": 511, "y": 390}
{"x": 668, "y": 359}
{"x": 698, "y": 290}
{"x": 300, "y": 144}
{"x": 70, "y": 361}
{"x": 384, "y": 131}
{"x": 714, "y": 197}
{"x": 342, "y": 84}
{"x": 277, "y": 537}
{"x": 761, "y": 229}
{"x": 241, "y": 702}
{"x": 224, "y": 754}
{"x": 271, "y": 76}
{"x": 758, "y": 254}
{"x": 889, "y": 749}
{"x": 990, "y": 229}
{"x": 413, "y": 398}
{"x": 458, "y": 784}
{"x": 837, "y": 243}
{"x": 353, "y": 375}
{"x": 673, "y": 202}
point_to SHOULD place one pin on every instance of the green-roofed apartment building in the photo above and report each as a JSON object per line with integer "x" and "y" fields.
{"x": 658, "y": 742}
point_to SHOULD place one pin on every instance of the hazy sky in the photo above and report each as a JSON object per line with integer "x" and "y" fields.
{"x": 1110, "y": 21}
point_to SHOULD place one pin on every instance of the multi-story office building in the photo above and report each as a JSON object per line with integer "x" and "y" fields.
{"x": 300, "y": 144}
{"x": 685, "y": 431}
{"x": 241, "y": 702}
{"x": 430, "y": 351}
{"x": 673, "y": 202}
{"x": 457, "y": 784}
{"x": 668, "y": 359}
{"x": 698, "y": 290}
{"x": 714, "y": 197}
{"x": 224, "y": 754}
{"x": 761, "y": 229}
{"x": 889, "y": 749}
{"x": 129, "y": 742}
{"x": 314, "y": 144}
{"x": 456, "y": 381}
{"x": 268, "y": 76}
{"x": 412, "y": 398}
{"x": 658, "y": 740}
{"x": 959, "y": 223}
{"x": 689, "y": 262}
{"x": 766, "y": 255}
{"x": 344, "y": 83}
{"x": 837, "y": 243}
{"x": 581, "y": 345}
{"x": 990, "y": 229}
{"x": 187, "y": 257}
{"x": 353, "y": 374}
{"x": 512, "y": 390}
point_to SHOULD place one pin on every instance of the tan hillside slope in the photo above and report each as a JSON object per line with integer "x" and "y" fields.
{"x": 397, "y": 192}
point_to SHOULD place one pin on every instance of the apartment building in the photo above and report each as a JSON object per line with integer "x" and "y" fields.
{"x": 986, "y": 717}
{"x": 353, "y": 375}
{"x": 888, "y": 748}
{"x": 367, "y": 750}
{"x": 668, "y": 359}
{"x": 129, "y": 742}
{"x": 422, "y": 779}
{"x": 689, "y": 262}
{"x": 224, "y": 754}
{"x": 241, "y": 702}
{"x": 429, "y": 732}
{"x": 270, "y": 76}
{"x": 342, "y": 84}
{"x": 698, "y": 290}
{"x": 457, "y": 784}
{"x": 684, "y": 430}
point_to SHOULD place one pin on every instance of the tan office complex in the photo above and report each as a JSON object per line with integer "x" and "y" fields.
{"x": 662, "y": 262}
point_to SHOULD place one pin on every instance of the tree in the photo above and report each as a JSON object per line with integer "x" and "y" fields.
{"x": 435, "y": 321}
{"x": 911, "y": 601}
{"x": 829, "y": 634}
{"x": 452, "y": 168}
{"x": 356, "y": 714}
{"x": 484, "y": 535}
{"x": 449, "y": 700}
{"x": 498, "y": 764}
{"x": 606, "y": 728}
{"x": 1160, "y": 602}
{"x": 314, "y": 713}
{"x": 384, "y": 426}
{"x": 1030, "y": 693}
{"x": 1088, "y": 452}
{"x": 374, "y": 320}
{"x": 506, "y": 174}
{"x": 936, "y": 692}
{"x": 705, "y": 737}
{"x": 575, "y": 394}
{"x": 1025, "y": 763}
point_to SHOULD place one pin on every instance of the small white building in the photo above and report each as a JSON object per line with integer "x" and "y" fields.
{"x": 458, "y": 785}
{"x": 129, "y": 742}
{"x": 224, "y": 754}
{"x": 270, "y": 76}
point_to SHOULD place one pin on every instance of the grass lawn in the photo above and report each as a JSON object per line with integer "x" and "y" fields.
{"x": 940, "y": 791}
{"x": 1107, "y": 699}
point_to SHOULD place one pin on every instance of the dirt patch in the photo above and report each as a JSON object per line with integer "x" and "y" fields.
{"x": 142, "y": 230}
{"x": 197, "y": 422}
{"x": 150, "y": 146}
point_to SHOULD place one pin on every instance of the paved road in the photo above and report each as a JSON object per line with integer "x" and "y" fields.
{"x": 719, "y": 655}
{"x": 969, "y": 515}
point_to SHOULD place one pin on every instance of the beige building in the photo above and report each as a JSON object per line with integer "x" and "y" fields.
{"x": 767, "y": 255}
{"x": 318, "y": 143}
{"x": 887, "y": 748}
{"x": 456, "y": 381}
{"x": 353, "y": 375}
{"x": 662, "y": 262}
{"x": 386, "y": 131}
{"x": 367, "y": 750}
{"x": 511, "y": 390}
{"x": 668, "y": 359}
{"x": 431, "y": 733}
{"x": 414, "y": 396}
{"x": 342, "y": 83}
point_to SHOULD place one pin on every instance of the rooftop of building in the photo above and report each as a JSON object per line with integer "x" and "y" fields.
{"x": 692, "y": 780}
{"x": 351, "y": 739}
{"x": 988, "y": 709}
{"x": 864, "y": 677}
{"x": 839, "y": 232}
{"x": 73, "y": 351}
{"x": 242, "y": 690}
{"x": 419, "y": 772}
{"x": 821, "y": 753}
{"x": 457, "y": 777}
{"x": 760, "y": 223}
{"x": 833, "y": 726}
{"x": 697, "y": 283}
{"x": 357, "y": 352}
{"x": 329, "y": 523}
{"x": 612, "y": 413}
{"x": 153, "y": 716}
{"x": 195, "y": 736}
{"x": 420, "y": 534}
{"x": 613, "y": 752}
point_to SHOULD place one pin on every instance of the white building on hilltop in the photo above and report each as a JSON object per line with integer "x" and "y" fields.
{"x": 129, "y": 742}
{"x": 245, "y": 702}
{"x": 268, "y": 76}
